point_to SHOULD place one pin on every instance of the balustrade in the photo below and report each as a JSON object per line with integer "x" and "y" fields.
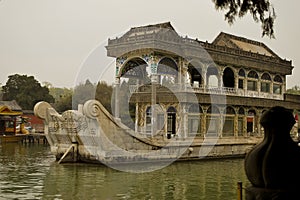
{"x": 207, "y": 90}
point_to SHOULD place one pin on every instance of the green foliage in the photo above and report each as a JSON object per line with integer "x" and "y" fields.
{"x": 262, "y": 11}
{"x": 101, "y": 92}
{"x": 104, "y": 94}
{"x": 127, "y": 109}
{"x": 83, "y": 93}
{"x": 26, "y": 91}
{"x": 63, "y": 98}
{"x": 294, "y": 90}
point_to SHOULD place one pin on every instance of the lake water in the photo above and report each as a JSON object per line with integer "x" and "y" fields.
{"x": 29, "y": 171}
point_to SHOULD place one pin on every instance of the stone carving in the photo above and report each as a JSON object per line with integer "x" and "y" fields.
{"x": 40, "y": 109}
{"x": 119, "y": 63}
{"x": 273, "y": 165}
{"x": 91, "y": 109}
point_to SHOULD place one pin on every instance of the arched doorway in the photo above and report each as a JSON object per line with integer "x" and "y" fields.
{"x": 135, "y": 68}
{"x": 194, "y": 71}
{"x": 228, "y": 126}
{"x": 228, "y": 78}
{"x": 132, "y": 73}
{"x": 212, "y": 121}
{"x": 194, "y": 120}
{"x": 251, "y": 121}
{"x": 212, "y": 77}
{"x": 252, "y": 81}
{"x": 168, "y": 71}
{"x": 171, "y": 122}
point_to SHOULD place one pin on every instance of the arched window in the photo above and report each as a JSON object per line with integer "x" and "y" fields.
{"x": 251, "y": 121}
{"x": 212, "y": 121}
{"x": 252, "y": 74}
{"x": 194, "y": 71}
{"x": 228, "y": 126}
{"x": 168, "y": 71}
{"x": 277, "y": 79}
{"x": 241, "y": 111}
{"x": 212, "y": 76}
{"x": 194, "y": 120}
{"x": 228, "y": 78}
{"x": 252, "y": 81}
{"x": 266, "y": 77}
{"x": 277, "y": 85}
{"x": 134, "y": 68}
{"x": 265, "y": 83}
{"x": 242, "y": 73}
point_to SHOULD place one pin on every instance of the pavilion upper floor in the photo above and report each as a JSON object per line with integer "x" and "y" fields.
{"x": 230, "y": 65}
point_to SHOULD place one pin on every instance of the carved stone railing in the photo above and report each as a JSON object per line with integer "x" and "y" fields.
{"x": 207, "y": 90}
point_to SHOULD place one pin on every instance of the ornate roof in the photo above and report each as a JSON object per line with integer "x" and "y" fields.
{"x": 158, "y": 29}
{"x": 13, "y": 105}
{"x": 5, "y": 110}
{"x": 226, "y": 48}
{"x": 236, "y": 42}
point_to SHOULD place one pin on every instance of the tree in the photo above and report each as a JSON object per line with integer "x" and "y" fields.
{"x": 104, "y": 95}
{"x": 63, "y": 98}
{"x": 82, "y": 93}
{"x": 127, "y": 109}
{"x": 294, "y": 90}
{"x": 261, "y": 10}
{"x": 26, "y": 91}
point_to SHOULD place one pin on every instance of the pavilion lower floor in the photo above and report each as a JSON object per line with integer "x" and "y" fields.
{"x": 200, "y": 120}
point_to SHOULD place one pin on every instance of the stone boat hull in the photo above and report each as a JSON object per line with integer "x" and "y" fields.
{"x": 91, "y": 134}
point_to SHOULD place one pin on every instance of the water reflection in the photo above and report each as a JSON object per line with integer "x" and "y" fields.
{"x": 23, "y": 170}
{"x": 29, "y": 172}
{"x": 185, "y": 180}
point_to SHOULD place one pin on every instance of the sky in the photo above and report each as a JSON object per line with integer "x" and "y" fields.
{"x": 62, "y": 42}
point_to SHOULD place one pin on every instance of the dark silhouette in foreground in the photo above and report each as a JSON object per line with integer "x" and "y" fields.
{"x": 273, "y": 166}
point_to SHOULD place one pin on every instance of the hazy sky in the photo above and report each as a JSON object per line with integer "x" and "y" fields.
{"x": 54, "y": 40}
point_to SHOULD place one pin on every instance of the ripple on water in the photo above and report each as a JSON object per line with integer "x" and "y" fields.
{"x": 30, "y": 172}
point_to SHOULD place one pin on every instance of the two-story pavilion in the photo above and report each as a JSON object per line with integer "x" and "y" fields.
{"x": 202, "y": 89}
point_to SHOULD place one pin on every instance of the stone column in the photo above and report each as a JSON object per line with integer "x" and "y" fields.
{"x": 117, "y": 101}
{"x": 236, "y": 123}
{"x": 180, "y": 71}
{"x": 245, "y": 122}
{"x": 236, "y": 81}
{"x": 271, "y": 86}
{"x": 136, "y": 117}
{"x": 154, "y": 82}
{"x": 221, "y": 122}
{"x": 220, "y": 79}
{"x": 246, "y": 84}
{"x": 203, "y": 121}
{"x": 204, "y": 74}
{"x": 184, "y": 121}
{"x": 183, "y": 73}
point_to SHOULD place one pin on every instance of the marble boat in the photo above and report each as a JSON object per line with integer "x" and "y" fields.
{"x": 91, "y": 134}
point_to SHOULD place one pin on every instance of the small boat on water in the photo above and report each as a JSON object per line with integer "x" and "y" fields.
{"x": 12, "y": 125}
{"x": 91, "y": 134}
{"x": 11, "y": 138}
